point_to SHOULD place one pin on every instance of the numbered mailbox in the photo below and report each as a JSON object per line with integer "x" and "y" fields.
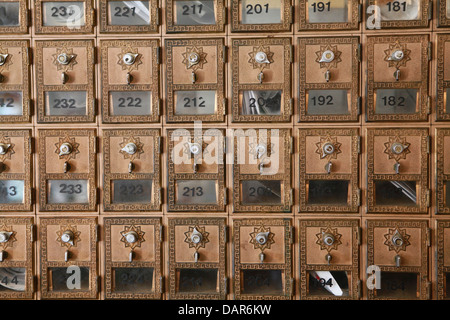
{"x": 261, "y": 79}
{"x": 14, "y": 17}
{"x": 65, "y": 81}
{"x": 67, "y": 172}
{"x": 262, "y": 170}
{"x": 131, "y": 176}
{"x": 263, "y": 259}
{"x": 14, "y": 80}
{"x": 197, "y": 258}
{"x": 195, "y": 16}
{"x": 322, "y": 15}
{"x": 329, "y": 259}
{"x": 397, "y": 78}
{"x": 196, "y": 170}
{"x": 383, "y": 14}
{"x": 397, "y": 170}
{"x": 443, "y": 78}
{"x": 329, "y": 79}
{"x": 443, "y": 259}
{"x": 397, "y": 253}
{"x": 15, "y": 170}
{"x": 16, "y": 258}
{"x": 261, "y": 16}
{"x": 68, "y": 258}
{"x": 442, "y": 170}
{"x": 129, "y": 16}
{"x": 195, "y": 75}
{"x": 329, "y": 170}
{"x": 64, "y": 16}
{"x": 133, "y": 258}
{"x": 130, "y": 81}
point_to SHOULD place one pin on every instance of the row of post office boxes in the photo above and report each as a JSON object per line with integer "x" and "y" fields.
{"x": 398, "y": 80}
{"x": 79, "y": 17}
{"x": 195, "y": 252}
{"x": 397, "y": 162}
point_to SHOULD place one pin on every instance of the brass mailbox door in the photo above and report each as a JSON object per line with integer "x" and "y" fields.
{"x": 443, "y": 13}
{"x": 64, "y": 16}
{"x": 65, "y": 81}
{"x": 329, "y": 170}
{"x": 14, "y": 16}
{"x": 329, "y": 259}
{"x": 14, "y": 80}
{"x": 195, "y": 75}
{"x": 68, "y": 258}
{"x": 397, "y": 78}
{"x": 197, "y": 258}
{"x": 442, "y": 170}
{"x": 402, "y": 14}
{"x": 443, "y": 78}
{"x": 196, "y": 170}
{"x": 398, "y": 250}
{"x": 195, "y": 16}
{"x": 131, "y": 162}
{"x": 263, "y": 259}
{"x": 261, "y": 79}
{"x": 443, "y": 259}
{"x": 397, "y": 170}
{"x": 329, "y": 79}
{"x": 262, "y": 170}
{"x": 16, "y": 258}
{"x": 318, "y": 15}
{"x": 129, "y": 16}
{"x": 133, "y": 258}
{"x": 15, "y": 170}
{"x": 67, "y": 172}
{"x": 130, "y": 81}
{"x": 261, "y": 16}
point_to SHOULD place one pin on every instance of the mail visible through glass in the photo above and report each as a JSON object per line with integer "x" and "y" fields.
{"x": 261, "y": 102}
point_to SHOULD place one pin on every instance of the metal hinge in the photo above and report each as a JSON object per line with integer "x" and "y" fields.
{"x": 225, "y": 144}
{"x": 224, "y": 54}
{"x": 225, "y": 200}
{"x": 428, "y": 144}
{"x": 29, "y": 56}
{"x": 360, "y": 14}
{"x": 358, "y": 235}
{"x": 224, "y": 14}
{"x": 161, "y": 230}
{"x": 34, "y": 283}
{"x": 158, "y": 107}
{"x": 358, "y": 197}
{"x": 160, "y": 142}
{"x": 291, "y": 106}
{"x": 97, "y": 233}
{"x": 29, "y": 18}
{"x": 226, "y": 285}
{"x": 358, "y": 146}
{"x": 291, "y": 198}
{"x": 224, "y": 104}
{"x": 99, "y": 283}
{"x": 291, "y": 145}
{"x": 161, "y": 285}
{"x": 292, "y": 287}
{"x": 291, "y": 235}
{"x": 428, "y": 105}
{"x": 291, "y": 53}
{"x": 430, "y": 51}
{"x": 158, "y": 16}
{"x": 30, "y": 145}
{"x": 359, "y": 52}
{"x": 429, "y": 290}
{"x": 94, "y": 106}
{"x": 359, "y": 287}
{"x": 33, "y": 230}
{"x": 359, "y": 105}
{"x": 430, "y": 10}
{"x": 226, "y": 234}
{"x": 93, "y": 17}
{"x": 158, "y": 55}
{"x": 428, "y": 195}
{"x": 428, "y": 237}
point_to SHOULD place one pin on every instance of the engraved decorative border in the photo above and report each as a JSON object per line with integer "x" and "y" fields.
{"x": 422, "y": 178}
{"x": 90, "y": 176}
{"x": 26, "y": 175}
{"x": 422, "y": 22}
{"x": 153, "y": 87}
{"x": 172, "y": 177}
{"x": 23, "y": 16}
{"x": 304, "y": 267}
{"x": 219, "y": 86}
{"x": 441, "y": 84}
{"x": 41, "y": 29}
{"x": 27, "y": 264}
{"x": 353, "y": 177}
{"x": 109, "y": 264}
{"x": 306, "y": 26}
{"x": 108, "y": 176}
{"x": 443, "y": 21}
{"x": 218, "y": 27}
{"x": 285, "y": 25}
{"x": 285, "y": 206}
{"x": 422, "y": 86}
{"x": 106, "y": 28}
{"x": 42, "y": 88}
{"x": 422, "y": 269}
{"x": 441, "y": 177}
{"x": 285, "y": 86}
{"x": 442, "y": 269}
{"x": 220, "y": 223}
{"x": 286, "y": 267}
{"x": 25, "y": 87}
{"x": 45, "y": 264}
{"x": 304, "y": 86}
